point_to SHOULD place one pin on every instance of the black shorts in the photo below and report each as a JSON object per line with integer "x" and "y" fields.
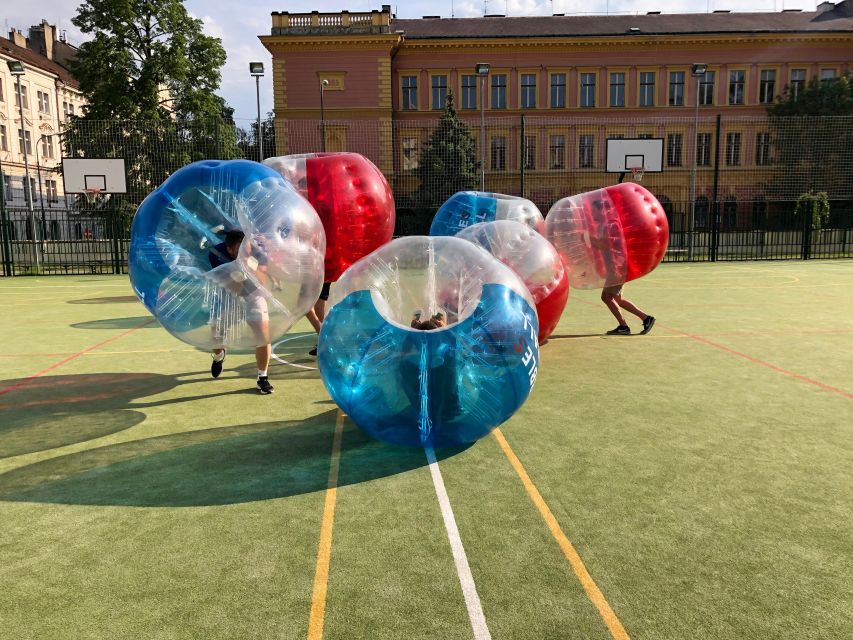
{"x": 324, "y": 292}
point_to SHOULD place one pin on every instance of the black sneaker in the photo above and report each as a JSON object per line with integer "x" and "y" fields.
{"x": 648, "y": 323}
{"x": 264, "y": 386}
{"x": 313, "y": 352}
{"x": 216, "y": 367}
{"x": 621, "y": 330}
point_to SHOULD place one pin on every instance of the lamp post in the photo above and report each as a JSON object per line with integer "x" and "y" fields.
{"x": 323, "y": 84}
{"x": 256, "y": 69}
{"x": 16, "y": 68}
{"x": 697, "y": 70}
{"x": 482, "y": 70}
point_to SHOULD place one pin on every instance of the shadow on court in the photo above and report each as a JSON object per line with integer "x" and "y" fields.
{"x": 117, "y": 323}
{"x": 105, "y": 300}
{"x": 211, "y": 467}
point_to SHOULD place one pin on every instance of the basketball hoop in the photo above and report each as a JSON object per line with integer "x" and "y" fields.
{"x": 92, "y": 195}
{"x": 637, "y": 173}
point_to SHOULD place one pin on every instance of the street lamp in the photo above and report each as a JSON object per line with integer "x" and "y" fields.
{"x": 16, "y": 68}
{"x": 482, "y": 70}
{"x": 256, "y": 69}
{"x": 697, "y": 70}
{"x": 323, "y": 84}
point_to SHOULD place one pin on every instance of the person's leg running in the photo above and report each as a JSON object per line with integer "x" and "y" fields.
{"x": 610, "y": 300}
{"x": 314, "y": 320}
{"x": 630, "y": 307}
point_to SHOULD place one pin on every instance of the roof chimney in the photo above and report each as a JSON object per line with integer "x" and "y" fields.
{"x": 845, "y": 8}
{"x": 18, "y": 38}
{"x": 41, "y": 40}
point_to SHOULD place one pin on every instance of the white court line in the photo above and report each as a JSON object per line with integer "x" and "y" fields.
{"x": 283, "y": 361}
{"x": 463, "y": 570}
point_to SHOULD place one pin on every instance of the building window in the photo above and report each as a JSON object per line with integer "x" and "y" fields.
{"x": 646, "y": 136}
{"x": 469, "y": 92}
{"x": 529, "y": 156}
{"x": 7, "y": 186}
{"x": 499, "y": 153}
{"x": 558, "y": 90}
{"x": 617, "y": 89}
{"x": 2, "y": 95}
{"x": 647, "y": 88}
{"x": 410, "y": 154}
{"x": 729, "y": 218}
{"x": 586, "y": 150}
{"x": 703, "y": 149}
{"x": 827, "y": 74}
{"x": 25, "y": 137}
{"x": 23, "y": 97}
{"x": 700, "y": 212}
{"x": 67, "y": 109}
{"x": 587, "y": 90}
{"x": 676, "y": 88}
{"x": 762, "y": 148}
{"x": 52, "y": 192}
{"x": 498, "y": 91}
{"x": 54, "y": 230}
{"x": 798, "y": 82}
{"x": 737, "y": 80}
{"x": 528, "y": 90}
{"x": 4, "y": 141}
{"x": 732, "y": 149}
{"x": 759, "y": 213}
{"x": 44, "y": 101}
{"x": 47, "y": 146}
{"x": 439, "y": 91}
{"x": 767, "y": 86}
{"x": 558, "y": 152}
{"x": 410, "y": 94}
{"x": 674, "y": 146}
{"x": 706, "y": 88}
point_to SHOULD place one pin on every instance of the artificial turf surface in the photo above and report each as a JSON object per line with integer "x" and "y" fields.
{"x": 703, "y": 473}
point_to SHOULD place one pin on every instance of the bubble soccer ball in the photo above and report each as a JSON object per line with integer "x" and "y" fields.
{"x": 609, "y": 236}
{"x": 450, "y": 385}
{"x": 465, "y": 208}
{"x": 352, "y": 198}
{"x": 535, "y": 261}
{"x": 177, "y": 237}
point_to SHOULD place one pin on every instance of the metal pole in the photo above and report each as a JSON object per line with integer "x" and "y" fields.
{"x": 260, "y": 132}
{"x": 523, "y": 155}
{"x": 4, "y": 228}
{"x": 691, "y": 222}
{"x": 41, "y": 190}
{"x": 322, "y": 120}
{"x": 716, "y": 195}
{"x": 482, "y": 133}
{"x": 27, "y": 187}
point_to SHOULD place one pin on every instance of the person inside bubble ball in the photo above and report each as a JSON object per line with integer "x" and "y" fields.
{"x": 601, "y": 237}
{"x": 435, "y": 322}
{"x": 257, "y": 311}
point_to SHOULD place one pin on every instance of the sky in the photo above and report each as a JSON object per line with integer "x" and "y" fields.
{"x": 239, "y": 26}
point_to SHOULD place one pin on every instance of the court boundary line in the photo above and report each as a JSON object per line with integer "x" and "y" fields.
{"x": 56, "y": 365}
{"x": 593, "y": 592}
{"x": 316, "y": 617}
{"x": 460, "y": 559}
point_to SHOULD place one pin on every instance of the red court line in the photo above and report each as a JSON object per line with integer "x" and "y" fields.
{"x": 763, "y": 363}
{"x": 55, "y": 365}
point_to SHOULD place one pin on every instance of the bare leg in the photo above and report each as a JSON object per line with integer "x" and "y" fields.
{"x": 314, "y": 320}
{"x": 262, "y": 357}
{"x": 610, "y": 300}
{"x": 629, "y": 307}
{"x": 320, "y": 309}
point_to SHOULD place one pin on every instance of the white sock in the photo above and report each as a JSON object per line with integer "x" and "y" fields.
{"x": 262, "y": 374}
{"x": 219, "y": 357}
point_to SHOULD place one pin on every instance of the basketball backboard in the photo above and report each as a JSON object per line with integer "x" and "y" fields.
{"x": 106, "y": 175}
{"x": 624, "y": 154}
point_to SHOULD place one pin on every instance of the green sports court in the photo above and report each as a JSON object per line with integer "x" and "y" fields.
{"x": 691, "y": 483}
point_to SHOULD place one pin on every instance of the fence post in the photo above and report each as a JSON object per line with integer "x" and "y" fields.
{"x": 715, "y": 196}
{"x": 523, "y": 147}
{"x": 113, "y": 216}
{"x": 805, "y": 251}
{"x": 4, "y": 228}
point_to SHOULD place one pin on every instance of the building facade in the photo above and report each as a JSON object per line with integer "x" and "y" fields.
{"x": 49, "y": 95}
{"x": 556, "y": 89}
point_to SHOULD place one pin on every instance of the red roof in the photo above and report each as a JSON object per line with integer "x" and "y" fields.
{"x": 33, "y": 59}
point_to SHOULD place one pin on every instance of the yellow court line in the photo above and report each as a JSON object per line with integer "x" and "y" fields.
{"x": 617, "y": 631}
{"x": 324, "y": 554}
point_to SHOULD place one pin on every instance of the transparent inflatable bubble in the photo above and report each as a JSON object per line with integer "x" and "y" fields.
{"x": 429, "y": 342}
{"x": 213, "y": 295}
{"x": 609, "y": 236}
{"x": 466, "y": 208}
{"x": 352, "y": 198}
{"x": 533, "y": 258}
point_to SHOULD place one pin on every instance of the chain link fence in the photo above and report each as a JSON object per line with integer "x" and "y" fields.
{"x": 730, "y": 185}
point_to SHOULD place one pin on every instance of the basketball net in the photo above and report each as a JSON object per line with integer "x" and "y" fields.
{"x": 637, "y": 173}
{"x": 92, "y": 195}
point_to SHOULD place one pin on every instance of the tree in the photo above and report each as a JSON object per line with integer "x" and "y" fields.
{"x": 449, "y": 161}
{"x": 149, "y": 74}
{"x": 813, "y": 209}
{"x": 248, "y": 140}
{"x": 813, "y": 136}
